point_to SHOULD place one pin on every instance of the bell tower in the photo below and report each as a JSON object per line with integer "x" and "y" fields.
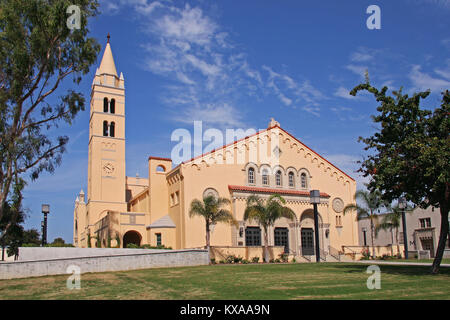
{"x": 106, "y": 168}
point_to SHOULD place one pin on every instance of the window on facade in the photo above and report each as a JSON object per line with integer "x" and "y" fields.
{"x": 112, "y": 106}
{"x": 338, "y": 221}
{"x": 278, "y": 178}
{"x": 112, "y": 129}
{"x": 425, "y": 223}
{"x": 291, "y": 179}
{"x": 281, "y": 238}
{"x": 105, "y": 128}
{"x": 253, "y": 236}
{"x": 265, "y": 177}
{"x": 158, "y": 239}
{"x": 251, "y": 176}
{"x": 105, "y": 105}
{"x": 303, "y": 181}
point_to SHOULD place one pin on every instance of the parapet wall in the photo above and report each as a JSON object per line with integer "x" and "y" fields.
{"x": 132, "y": 260}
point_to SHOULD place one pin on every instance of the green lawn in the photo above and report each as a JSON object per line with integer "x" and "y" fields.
{"x": 240, "y": 282}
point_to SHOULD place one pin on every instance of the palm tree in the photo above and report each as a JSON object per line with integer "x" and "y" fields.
{"x": 266, "y": 213}
{"x": 371, "y": 202}
{"x": 392, "y": 221}
{"x": 211, "y": 209}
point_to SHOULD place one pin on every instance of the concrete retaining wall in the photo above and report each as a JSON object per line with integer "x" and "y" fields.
{"x": 47, "y": 253}
{"x": 119, "y": 262}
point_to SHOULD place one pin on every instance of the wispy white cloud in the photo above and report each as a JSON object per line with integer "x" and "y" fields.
{"x": 294, "y": 92}
{"x": 187, "y": 46}
{"x": 362, "y": 55}
{"x": 424, "y": 81}
{"x": 445, "y": 71}
{"x": 342, "y": 92}
{"x": 358, "y": 70}
{"x": 219, "y": 115}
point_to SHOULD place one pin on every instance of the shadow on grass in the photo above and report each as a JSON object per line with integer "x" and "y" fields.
{"x": 394, "y": 269}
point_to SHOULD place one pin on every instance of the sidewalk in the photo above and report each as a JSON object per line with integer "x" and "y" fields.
{"x": 426, "y": 264}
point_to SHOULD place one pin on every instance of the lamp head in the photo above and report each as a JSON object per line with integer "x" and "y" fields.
{"x": 402, "y": 202}
{"x": 314, "y": 196}
{"x": 45, "y": 208}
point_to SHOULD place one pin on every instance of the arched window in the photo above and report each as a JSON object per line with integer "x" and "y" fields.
{"x": 112, "y": 129}
{"x": 304, "y": 183}
{"x": 105, "y": 128}
{"x": 278, "y": 178}
{"x": 291, "y": 179}
{"x": 251, "y": 176}
{"x": 160, "y": 168}
{"x": 105, "y": 105}
{"x": 265, "y": 177}
{"x": 112, "y": 106}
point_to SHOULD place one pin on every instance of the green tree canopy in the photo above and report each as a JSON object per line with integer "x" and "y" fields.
{"x": 410, "y": 153}
{"x": 37, "y": 53}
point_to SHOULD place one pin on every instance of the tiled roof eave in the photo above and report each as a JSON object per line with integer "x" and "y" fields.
{"x": 273, "y": 191}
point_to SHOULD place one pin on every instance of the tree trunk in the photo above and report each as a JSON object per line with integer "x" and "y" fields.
{"x": 442, "y": 239}
{"x": 396, "y": 240}
{"x": 266, "y": 245}
{"x": 208, "y": 246}
{"x": 372, "y": 230}
{"x": 392, "y": 241}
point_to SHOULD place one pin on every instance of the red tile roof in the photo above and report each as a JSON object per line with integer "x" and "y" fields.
{"x": 274, "y": 191}
{"x": 159, "y": 158}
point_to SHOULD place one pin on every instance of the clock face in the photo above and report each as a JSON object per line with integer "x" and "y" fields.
{"x": 108, "y": 168}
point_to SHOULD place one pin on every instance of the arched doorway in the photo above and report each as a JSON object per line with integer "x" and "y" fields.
{"x": 307, "y": 236}
{"x": 131, "y": 237}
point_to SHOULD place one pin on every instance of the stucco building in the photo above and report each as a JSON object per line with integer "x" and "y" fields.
{"x": 118, "y": 210}
{"x": 422, "y": 226}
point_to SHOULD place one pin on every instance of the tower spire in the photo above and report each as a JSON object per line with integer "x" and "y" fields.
{"x": 107, "y": 65}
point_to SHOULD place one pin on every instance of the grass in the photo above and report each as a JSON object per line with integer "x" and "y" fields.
{"x": 240, "y": 282}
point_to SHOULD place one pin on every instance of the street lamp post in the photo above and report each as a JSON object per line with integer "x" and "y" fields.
{"x": 402, "y": 206}
{"x": 315, "y": 200}
{"x": 45, "y": 211}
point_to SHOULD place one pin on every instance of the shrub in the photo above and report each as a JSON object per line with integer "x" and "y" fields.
{"x": 117, "y": 241}
{"x": 132, "y": 246}
{"x": 284, "y": 257}
{"x": 213, "y": 261}
{"x": 255, "y": 259}
{"x": 233, "y": 259}
{"x": 293, "y": 260}
{"x": 365, "y": 254}
{"x": 30, "y": 245}
{"x": 69, "y": 245}
{"x": 245, "y": 261}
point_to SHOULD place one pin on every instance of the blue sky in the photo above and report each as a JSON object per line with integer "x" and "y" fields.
{"x": 235, "y": 64}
